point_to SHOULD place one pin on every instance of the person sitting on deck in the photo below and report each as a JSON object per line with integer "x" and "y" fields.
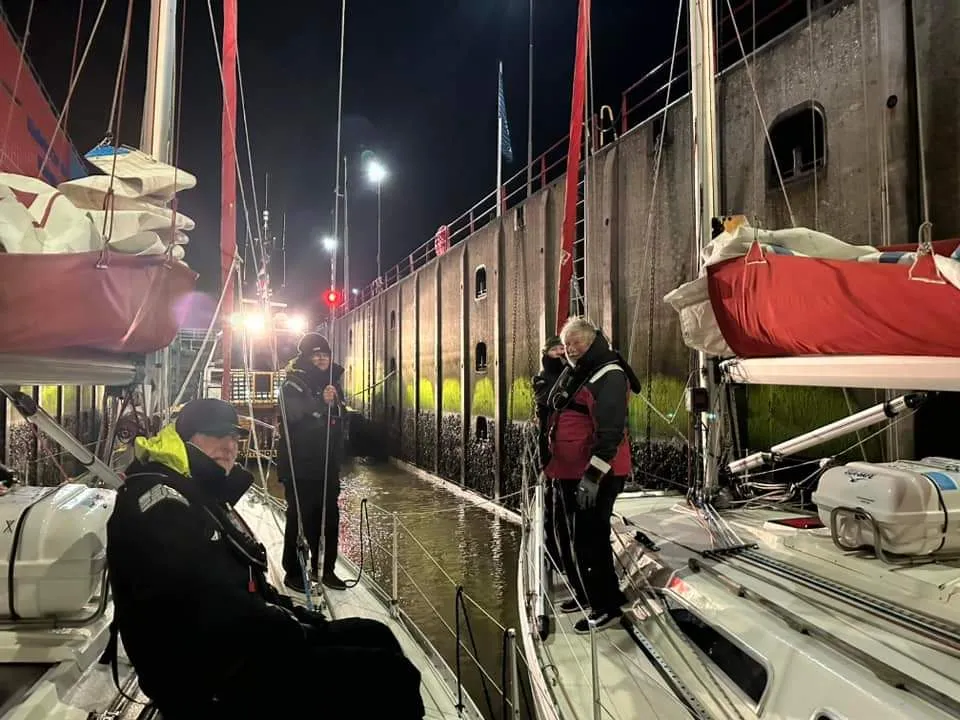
{"x": 552, "y": 364}
{"x": 308, "y": 460}
{"x": 207, "y": 634}
{"x": 590, "y": 461}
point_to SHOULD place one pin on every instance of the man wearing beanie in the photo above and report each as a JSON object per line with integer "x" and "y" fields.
{"x": 312, "y": 435}
{"x": 552, "y": 365}
{"x": 205, "y": 631}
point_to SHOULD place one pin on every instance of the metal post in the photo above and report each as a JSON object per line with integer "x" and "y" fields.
{"x": 530, "y": 105}
{"x": 379, "y": 221}
{"x": 513, "y": 674}
{"x": 347, "y": 293}
{"x": 395, "y": 597}
{"x": 595, "y": 668}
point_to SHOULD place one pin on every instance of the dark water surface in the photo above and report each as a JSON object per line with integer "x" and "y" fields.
{"x": 475, "y": 548}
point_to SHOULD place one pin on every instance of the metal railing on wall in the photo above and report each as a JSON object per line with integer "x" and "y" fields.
{"x": 758, "y": 22}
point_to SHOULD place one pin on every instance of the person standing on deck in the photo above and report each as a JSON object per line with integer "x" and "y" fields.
{"x": 590, "y": 461}
{"x": 552, "y": 364}
{"x": 313, "y": 416}
{"x": 208, "y": 636}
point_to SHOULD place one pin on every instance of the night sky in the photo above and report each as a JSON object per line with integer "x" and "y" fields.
{"x": 420, "y": 89}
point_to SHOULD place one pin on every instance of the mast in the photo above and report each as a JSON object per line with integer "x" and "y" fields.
{"x": 228, "y": 183}
{"x": 574, "y": 149}
{"x": 706, "y": 192}
{"x": 156, "y": 136}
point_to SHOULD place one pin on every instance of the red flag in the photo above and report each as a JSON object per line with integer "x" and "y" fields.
{"x": 228, "y": 182}
{"x": 573, "y": 164}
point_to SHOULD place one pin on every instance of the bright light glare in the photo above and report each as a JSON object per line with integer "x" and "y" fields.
{"x": 376, "y": 172}
{"x": 236, "y": 319}
{"x": 254, "y": 322}
{"x": 330, "y": 244}
{"x": 356, "y": 291}
{"x": 297, "y": 323}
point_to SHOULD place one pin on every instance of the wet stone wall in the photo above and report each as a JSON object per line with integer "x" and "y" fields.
{"x": 427, "y": 440}
{"x": 451, "y": 446}
{"x": 517, "y": 436}
{"x": 408, "y": 435}
{"x": 481, "y": 464}
{"x": 660, "y": 464}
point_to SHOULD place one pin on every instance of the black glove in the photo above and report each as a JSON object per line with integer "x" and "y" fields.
{"x": 587, "y": 492}
{"x": 313, "y": 618}
{"x": 589, "y": 487}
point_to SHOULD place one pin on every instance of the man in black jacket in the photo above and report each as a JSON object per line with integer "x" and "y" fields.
{"x": 206, "y": 633}
{"x": 589, "y": 462}
{"x": 312, "y": 434}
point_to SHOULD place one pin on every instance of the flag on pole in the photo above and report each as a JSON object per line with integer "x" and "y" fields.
{"x": 506, "y": 149}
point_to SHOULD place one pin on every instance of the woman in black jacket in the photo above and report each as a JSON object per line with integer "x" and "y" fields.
{"x": 552, "y": 364}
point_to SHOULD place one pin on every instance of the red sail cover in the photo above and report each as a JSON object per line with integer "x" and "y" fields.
{"x": 53, "y": 302}
{"x": 778, "y": 306}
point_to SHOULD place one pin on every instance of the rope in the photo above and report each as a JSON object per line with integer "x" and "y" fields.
{"x": 16, "y": 80}
{"x": 116, "y": 115}
{"x": 236, "y": 159}
{"x": 813, "y": 116}
{"x": 246, "y": 135}
{"x": 73, "y": 58}
{"x": 921, "y": 144}
{"x": 756, "y": 99}
{"x": 73, "y": 84}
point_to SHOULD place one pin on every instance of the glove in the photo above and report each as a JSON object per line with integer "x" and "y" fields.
{"x": 590, "y": 485}
{"x": 313, "y": 618}
{"x": 587, "y": 492}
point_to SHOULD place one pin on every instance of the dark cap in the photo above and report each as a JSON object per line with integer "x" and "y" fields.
{"x": 209, "y": 416}
{"x": 313, "y": 343}
{"x": 552, "y": 342}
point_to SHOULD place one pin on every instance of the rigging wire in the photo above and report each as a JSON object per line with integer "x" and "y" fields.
{"x": 756, "y": 98}
{"x": 61, "y": 118}
{"x": 233, "y": 130}
{"x": 76, "y": 47}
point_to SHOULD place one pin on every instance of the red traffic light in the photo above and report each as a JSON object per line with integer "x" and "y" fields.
{"x": 333, "y": 298}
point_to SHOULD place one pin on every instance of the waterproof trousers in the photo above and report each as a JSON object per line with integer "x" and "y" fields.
{"x": 314, "y": 523}
{"x": 588, "y": 559}
{"x": 351, "y": 668}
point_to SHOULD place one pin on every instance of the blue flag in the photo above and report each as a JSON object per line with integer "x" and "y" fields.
{"x": 506, "y": 148}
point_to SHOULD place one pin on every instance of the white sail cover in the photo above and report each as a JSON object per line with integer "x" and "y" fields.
{"x": 74, "y": 217}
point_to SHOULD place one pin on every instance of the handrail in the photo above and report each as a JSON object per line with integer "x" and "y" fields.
{"x": 512, "y": 689}
{"x": 550, "y": 165}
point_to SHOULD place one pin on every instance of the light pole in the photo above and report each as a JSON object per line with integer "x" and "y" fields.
{"x": 330, "y": 245}
{"x": 377, "y": 173}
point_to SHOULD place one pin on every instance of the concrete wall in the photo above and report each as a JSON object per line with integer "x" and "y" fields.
{"x": 851, "y": 61}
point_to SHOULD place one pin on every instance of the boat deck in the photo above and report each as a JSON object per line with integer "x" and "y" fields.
{"x": 805, "y": 613}
{"x": 362, "y": 601}
{"x": 630, "y": 686}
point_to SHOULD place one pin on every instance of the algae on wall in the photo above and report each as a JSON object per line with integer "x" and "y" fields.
{"x": 776, "y": 413}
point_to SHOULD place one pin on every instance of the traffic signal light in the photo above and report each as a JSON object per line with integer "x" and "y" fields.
{"x": 333, "y": 298}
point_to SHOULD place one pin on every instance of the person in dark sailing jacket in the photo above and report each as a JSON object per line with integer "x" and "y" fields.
{"x": 590, "y": 461}
{"x": 207, "y": 634}
{"x": 552, "y": 364}
{"x": 314, "y": 416}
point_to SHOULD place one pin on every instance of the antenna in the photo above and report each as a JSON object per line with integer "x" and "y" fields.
{"x": 283, "y": 250}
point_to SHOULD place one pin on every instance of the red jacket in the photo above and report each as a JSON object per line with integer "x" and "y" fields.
{"x": 589, "y": 434}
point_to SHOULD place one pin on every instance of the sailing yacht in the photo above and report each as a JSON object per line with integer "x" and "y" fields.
{"x": 94, "y": 279}
{"x": 834, "y": 595}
